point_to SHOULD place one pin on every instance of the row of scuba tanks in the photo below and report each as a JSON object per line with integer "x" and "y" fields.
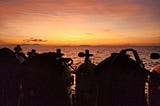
{"x": 46, "y": 80}
{"x": 119, "y": 80}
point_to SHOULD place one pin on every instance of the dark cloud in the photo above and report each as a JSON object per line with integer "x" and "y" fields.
{"x": 34, "y": 40}
{"x": 89, "y": 33}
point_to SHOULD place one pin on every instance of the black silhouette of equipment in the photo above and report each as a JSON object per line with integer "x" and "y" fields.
{"x": 85, "y": 81}
{"x": 155, "y": 56}
{"x": 121, "y": 80}
{"x": 59, "y": 55}
{"x": 154, "y": 82}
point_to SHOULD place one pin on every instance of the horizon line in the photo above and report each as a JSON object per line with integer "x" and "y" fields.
{"x": 85, "y": 45}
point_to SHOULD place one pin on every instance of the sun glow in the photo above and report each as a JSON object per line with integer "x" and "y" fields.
{"x": 80, "y": 22}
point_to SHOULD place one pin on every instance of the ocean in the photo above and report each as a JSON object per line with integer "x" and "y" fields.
{"x": 99, "y": 52}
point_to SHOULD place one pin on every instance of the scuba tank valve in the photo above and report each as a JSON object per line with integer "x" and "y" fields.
{"x": 87, "y": 55}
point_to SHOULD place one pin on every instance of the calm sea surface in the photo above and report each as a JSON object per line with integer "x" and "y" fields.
{"x": 100, "y": 53}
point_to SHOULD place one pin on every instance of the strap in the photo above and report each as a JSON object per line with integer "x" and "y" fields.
{"x": 136, "y": 56}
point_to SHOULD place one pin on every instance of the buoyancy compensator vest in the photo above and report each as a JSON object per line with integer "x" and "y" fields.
{"x": 46, "y": 80}
{"x": 121, "y": 80}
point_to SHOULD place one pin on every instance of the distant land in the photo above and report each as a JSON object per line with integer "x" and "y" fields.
{"x": 27, "y": 45}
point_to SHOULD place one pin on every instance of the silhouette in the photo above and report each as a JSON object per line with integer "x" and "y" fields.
{"x": 46, "y": 81}
{"x": 59, "y": 54}
{"x": 154, "y": 83}
{"x": 32, "y": 53}
{"x": 121, "y": 80}
{"x": 19, "y": 54}
{"x": 105, "y": 63}
{"x": 66, "y": 63}
{"x": 9, "y": 78}
{"x": 85, "y": 82}
{"x": 155, "y": 56}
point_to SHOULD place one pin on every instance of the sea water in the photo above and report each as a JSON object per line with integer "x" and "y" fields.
{"x": 99, "y": 52}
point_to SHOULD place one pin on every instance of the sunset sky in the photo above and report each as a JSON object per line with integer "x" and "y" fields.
{"x": 80, "y": 22}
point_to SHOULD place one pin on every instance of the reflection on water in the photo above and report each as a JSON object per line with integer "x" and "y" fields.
{"x": 99, "y": 52}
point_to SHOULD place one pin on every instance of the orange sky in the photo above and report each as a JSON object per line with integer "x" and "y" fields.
{"x": 80, "y": 22}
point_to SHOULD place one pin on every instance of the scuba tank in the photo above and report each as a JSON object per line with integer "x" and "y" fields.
{"x": 19, "y": 54}
{"x": 47, "y": 80}
{"x": 9, "y": 78}
{"x": 85, "y": 82}
{"x": 154, "y": 83}
{"x": 66, "y": 64}
{"x": 121, "y": 80}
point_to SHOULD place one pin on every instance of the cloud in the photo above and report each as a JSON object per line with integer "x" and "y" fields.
{"x": 156, "y": 34}
{"x": 109, "y": 8}
{"x": 28, "y": 16}
{"x": 64, "y": 7}
{"x": 90, "y": 34}
{"x": 34, "y": 40}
